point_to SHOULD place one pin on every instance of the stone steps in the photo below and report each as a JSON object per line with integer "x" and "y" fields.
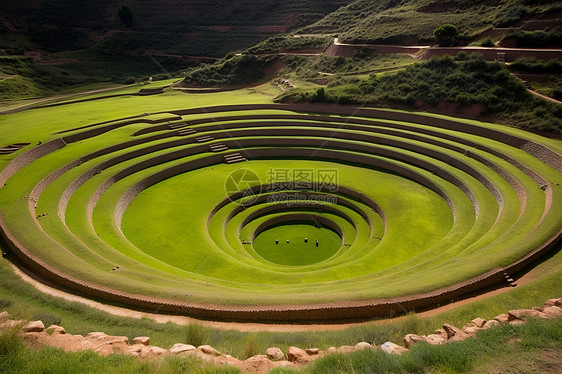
{"x": 187, "y": 131}
{"x": 219, "y": 147}
{"x": 204, "y": 139}
{"x": 234, "y": 158}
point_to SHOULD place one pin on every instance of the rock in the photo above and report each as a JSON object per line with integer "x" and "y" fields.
{"x": 553, "y": 311}
{"x": 479, "y": 322}
{"x": 455, "y": 334}
{"x": 411, "y": 339}
{"x": 331, "y": 350}
{"x": 208, "y": 350}
{"x": 96, "y": 335}
{"x": 517, "y": 322}
{"x": 442, "y": 333}
{"x": 181, "y": 348}
{"x": 364, "y": 345}
{"x": 553, "y": 302}
{"x": 346, "y": 349}
{"x": 537, "y": 308}
{"x": 54, "y": 329}
{"x": 435, "y": 339}
{"x": 502, "y": 318}
{"x": 295, "y": 354}
{"x": 8, "y": 324}
{"x": 144, "y": 340}
{"x": 312, "y": 351}
{"x": 491, "y": 323}
{"x": 524, "y": 313}
{"x": 275, "y": 354}
{"x": 256, "y": 364}
{"x": 157, "y": 351}
{"x": 35, "y": 326}
{"x": 470, "y": 329}
{"x": 392, "y": 348}
{"x": 4, "y": 316}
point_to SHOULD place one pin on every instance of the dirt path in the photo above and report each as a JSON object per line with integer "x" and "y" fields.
{"x": 251, "y": 327}
{"x": 51, "y": 99}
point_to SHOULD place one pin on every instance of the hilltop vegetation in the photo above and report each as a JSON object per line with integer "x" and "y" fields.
{"x": 465, "y": 81}
{"x": 413, "y": 21}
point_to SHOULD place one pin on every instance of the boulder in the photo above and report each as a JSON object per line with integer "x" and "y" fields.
{"x": 491, "y": 323}
{"x": 54, "y": 329}
{"x": 346, "y": 349}
{"x": 442, "y": 333}
{"x": 331, "y": 350}
{"x": 435, "y": 339}
{"x": 96, "y": 335}
{"x": 275, "y": 354}
{"x": 35, "y": 326}
{"x": 144, "y": 340}
{"x": 553, "y": 302}
{"x": 411, "y": 339}
{"x": 455, "y": 334}
{"x": 502, "y": 318}
{"x": 470, "y": 329}
{"x": 181, "y": 348}
{"x": 553, "y": 311}
{"x": 295, "y": 354}
{"x": 255, "y": 364}
{"x": 524, "y": 313}
{"x": 157, "y": 351}
{"x": 479, "y": 322}
{"x": 208, "y": 350}
{"x": 364, "y": 345}
{"x": 392, "y": 348}
{"x": 312, "y": 351}
{"x": 4, "y": 316}
{"x": 517, "y": 322}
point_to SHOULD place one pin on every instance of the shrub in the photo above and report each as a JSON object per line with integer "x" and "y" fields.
{"x": 196, "y": 334}
{"x": 445, "y": 34}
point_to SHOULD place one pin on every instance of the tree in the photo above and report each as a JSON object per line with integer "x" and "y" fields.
{"x": 126, "y": 15}
{"x": 445, "y": 34}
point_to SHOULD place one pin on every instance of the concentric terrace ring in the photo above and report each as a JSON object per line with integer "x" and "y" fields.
{"x": 160, "y": 212}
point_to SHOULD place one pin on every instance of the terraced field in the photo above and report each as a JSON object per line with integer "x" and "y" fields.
{"x": 178, "y": 211}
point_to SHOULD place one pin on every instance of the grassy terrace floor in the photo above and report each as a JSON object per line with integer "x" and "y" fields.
{"x": 412, "y": 200}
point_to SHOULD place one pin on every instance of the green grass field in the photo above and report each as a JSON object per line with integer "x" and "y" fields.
{"x": 154, "y": 217}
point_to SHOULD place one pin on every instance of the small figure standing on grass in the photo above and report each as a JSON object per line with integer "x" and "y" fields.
{"x": 317, "y": 242}
{"x": 306, "y": 240}
{"x": 276, "y": 241}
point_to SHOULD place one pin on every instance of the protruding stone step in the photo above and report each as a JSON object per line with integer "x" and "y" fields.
{"x": 174, "y": 126}
{"x": 218, "y": 147}
{"x": 204, "y": 139}
{"x": 187, "y": 131}
{"x": 234, "y": 158}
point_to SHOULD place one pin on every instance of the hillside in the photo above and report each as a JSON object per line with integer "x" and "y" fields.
{"x": 413, "y": 21}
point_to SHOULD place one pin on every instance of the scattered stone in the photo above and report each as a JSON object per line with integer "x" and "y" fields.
{"x": 491, "y": 323}
{"x": 144, "y": 340}
{"x": 255, "y": 364}
{"x": 552, "y": 302}
{"x": 346, "y": 349}
{"x": 364, "y": 345}
{"x": 479, "y": 322}
{"x": 392, "y": 348}
{"x": 312, "y": 351}
{"x": 54, "y": 329}
{"x": 295, "y": 354}
{"x": 208, "y": 350}
{"x": 275, "y": 354}
{"x": 553, "y": 311}
{"x": 4, "y": 316}
{"x": 524, "y": 313}
{"x": 470, "y": 329}
{"x": 181, "y": 348}
{"x": 411, "y": 339}
{"x": 442, "y": 333}
{"x": 331, "y": 350}
{"x": 435, "y": 339}
{"x": 35, "y": 326}
{"x": 502, "y": 318}
{"x": 455, "y": 334}
{"x": 157, "y": 351}
{"x": 517, "y": 322}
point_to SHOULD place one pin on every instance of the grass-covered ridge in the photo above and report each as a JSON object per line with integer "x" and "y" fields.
{"x": 413, "y": 21}
{"x": 464, "y": 80}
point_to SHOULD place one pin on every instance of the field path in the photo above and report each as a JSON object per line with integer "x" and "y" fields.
{"x": 253, "y": 327}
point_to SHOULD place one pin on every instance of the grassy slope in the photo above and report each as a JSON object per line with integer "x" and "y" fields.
{"x": 413, "y": 21}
